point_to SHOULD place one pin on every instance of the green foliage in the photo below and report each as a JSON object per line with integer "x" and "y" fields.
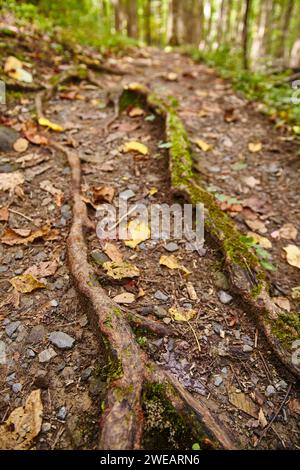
{"x": 263, "y": 255}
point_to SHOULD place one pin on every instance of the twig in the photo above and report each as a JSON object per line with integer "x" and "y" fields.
{"x": 196, "y": 338}
{"x": 21, "y": 215}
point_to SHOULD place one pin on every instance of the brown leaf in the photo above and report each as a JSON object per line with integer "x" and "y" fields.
{"x": 4, "y": 214}
{"x": 14, "y": 236}
{"x": 26, "y": 283}
{"x": 256, "y": 225}
{"x": 125, "y": 298}
{"x": 103, "y": 194}
{"x": 230, "y": 116}
{"x": 120, "y": 270}
{"x": 293, "y": 255}
{"x": 242, "y": 402}
{"x": 294, "y": 406}
{"x": 10, "y": 181}
{"x": 31, "y": 133}
{"x": 113, "y": 252}
{"x": 136, "y": 112}
{"x": 288, "y": 232}
{"x": 57, "y": 193}
{"x": 23, "y": 424}
{"x": 43, "y": 269}
{"x": 21, "y": 145}
{"x": 282, "y": 302}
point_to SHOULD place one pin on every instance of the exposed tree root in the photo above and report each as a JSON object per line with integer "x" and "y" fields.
{"x": 247, "y": 277}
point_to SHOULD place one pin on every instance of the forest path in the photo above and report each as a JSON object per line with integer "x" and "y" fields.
{"x": 219, "y": 354}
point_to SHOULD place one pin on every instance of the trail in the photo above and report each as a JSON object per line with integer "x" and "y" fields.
{"x": 219, "y": 356}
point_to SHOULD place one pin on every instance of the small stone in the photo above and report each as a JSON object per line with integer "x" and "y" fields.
{"x": 3, "y": 269}
{"x": 30, "y": 353}
{"x": 128, "y": 194}
{"x": 159, "y": 295}
{"x": 247, "y": 348}
{"x": 18, "y": 271}
{"x": 281, "y": 385}
{"x": 171, "y": 247}
{"x": 86, "y": 373}
{"x": 36, "y": 335}
{"x": 11, "y": 378}
{"x": 66, "y": 212}
{"x": 99, "y": 257}
{"x": 218, "y": 380}
{"x": 224, "y": 297}
{"x": 167, "y": 320}
{"x": 270, "y": 390}
{"x": 54, "y": 303}
{"x": 159, "y": 312}
{"x": 187, "y": 306}
{"x": 247, "y": 340}
{"x": 224, "y": 370}
{"x": 59, "y": 284}
{"x": 16, "y": 388}
{"x": 61, "y": 340}
{"x": 3, "y": 358}
{"x": 146, "y": 310}
{"x": 46, "y": 427}
{"x": 12, "y": 327}
{"x": 47, "y": 355}
{"x": 62, "y": 413}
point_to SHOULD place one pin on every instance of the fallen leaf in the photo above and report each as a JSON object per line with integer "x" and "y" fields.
{"x": 262, "y": 241}
{"x": 4, "y": 214}
{"x": 121, "y": 270}
{"x": 31, "y": 133}
{"x": 242, "y": 402}
{"x": 135, "y": 112}
{"x": 135, "y": 147}
{"x": 152, "y": 191}
{"x": 138, "y": 231}
{"x": 293, "y": 255}
{"x": 203, "y": 145}
{"x": 43, "y": 269}
{"x": 256, "y": 225}
{"x": 179, "y": 314}
{"x": 15, "y": 236}
{"x": 191, "y": 291}
{"x": 251, "y": 181}
{"x": 10, "y": 181}
{"x": 288, "y": 232}
{"x": 21, "y": 145}
{"x": 13, "y": 67}
{"x": 135, "y": 86}
{"x": 103, "y": 194}
{"x": 51, "y": 125}
{"x": 113, "y": 252}
{"x": 262, "y": 419}
{"x": 255, "y": 147}
{"x": 171, "y": 77}
{"x": 57, "y": 193}
{"x": 282, "y": 302}
{"x": 26, "y": 283}
{"x": 294, "y": 405}
{"x": 23, "y": 424}
{"x": 172, "y": 263}
{"x": 296, "y": 293}
{"x": 29, "y": 160}
{"x": 125, "y": 298}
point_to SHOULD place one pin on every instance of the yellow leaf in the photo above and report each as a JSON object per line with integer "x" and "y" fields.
{"x": 135, "y": 86}
{"x": 26, "y": 283}
{"x": 46, "y": 123}
{"x": 170, "y": 261}
{"x": 138, "y": 231}
{"x": 135, "y": 147}
{"x": 262, "y": 241}
{"x": 135, "y": 112}
{"x": 113, "y": 252}
{"x": 23, "y": 424}
{"x": 181, "y": 314}
{"x": 203, "y": 145}
{"x": 255, "y": 147}
{"x": 13, "y": 67}
{"x": 152, "y": 191}
{"x": 293, "y": 255}
{"x": 120, "y": 270}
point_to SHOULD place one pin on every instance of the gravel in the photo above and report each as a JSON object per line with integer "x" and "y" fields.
{"x": 47, "y": 355}
{"x": 224, "y": 297}
{"x": 61, "y": 340}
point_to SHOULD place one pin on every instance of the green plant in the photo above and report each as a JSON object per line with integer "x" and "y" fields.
{"x": 263, "y": 255}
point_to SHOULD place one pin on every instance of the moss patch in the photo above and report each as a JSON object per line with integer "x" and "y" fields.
{"x": 287, "y": 328}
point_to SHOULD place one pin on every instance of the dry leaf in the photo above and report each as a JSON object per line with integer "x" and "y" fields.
{"x": 103, "y": 194}
{"x": 255, "y": 147}
{"x": 256, "y": 225}
{"x": 288, "y": 232}
{"x": 262, "y": 419}
{"x": 113, "y": 252}
{"x": 13, "y": 67}
{"x": 26, "y": 283}
{"x": 135, "y": 112}
{"x": 23, "y": 424}
{"x": 203, "y": 145}
{"x": 51, "y": 125}
{"x": 125, "y": 298}
{"x": 191, "y": 291}
{"x": 172, "y": 263}
{"x": 43, "y": 269}
{"x": 293, "y": 255}
{"x": 120, "y": 270}
{"x": 138, "y": 231}
{"x": 282, "y": 302}
{"x": 242, "y": 402}
{"x": 10, "y": 181}
{"x": 262, "y": 241}
{"x": 152, "y": 191}
{"x": 17, "y": 236}
{"x": 135, "y": 86}
{"x": 57, "y": 193}
{"x": 251, "y": 181}
{"x": 135, "y": 147}
{"x": 179, "y": 314}
{"x": 4, "y": 214}
{"x": 21, "y": 145}
{"x": 31, "y": 133}
{"x": 294, "y": 405}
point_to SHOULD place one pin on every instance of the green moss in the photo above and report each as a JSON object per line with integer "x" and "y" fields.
{"x": 286, "y": 328}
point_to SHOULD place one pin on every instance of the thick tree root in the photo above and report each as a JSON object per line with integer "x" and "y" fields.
{"x": 247, "y": 277}
{"x": 130, "y": 369}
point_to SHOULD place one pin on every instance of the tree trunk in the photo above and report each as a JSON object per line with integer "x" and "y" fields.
{"x": 132, "y": 18}
{"x": 147, "y": 16}
{"x": 221, "y": 23}
{"x": 174, "y": 41}
{"x": 282, "y": 51}
{"x": 246, "y": 35}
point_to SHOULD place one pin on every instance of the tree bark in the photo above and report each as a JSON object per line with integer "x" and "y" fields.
{"x": 282, "y": 50}
{"x": 246, "y": 35}
{"x": 174, "y": 41}
{"x": 132, "y": 18}
{"x": 147, "y": 15}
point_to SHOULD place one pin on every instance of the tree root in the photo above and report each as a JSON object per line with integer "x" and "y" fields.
{"x": 247, "y": 277}
{"x": 130, "y": 369}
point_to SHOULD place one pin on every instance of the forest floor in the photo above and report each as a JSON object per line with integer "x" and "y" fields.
{"x": 220, "y": 354}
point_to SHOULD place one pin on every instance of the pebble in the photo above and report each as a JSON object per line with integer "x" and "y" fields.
{"x": 2, "y": 353}
{"x": 224, "y": 297}
{"x": 281, "y": 385}
{"x": 46, "y": 427}
{"x": 187, "y": 306}
{"x": 99, "y": 257}
{"x": 159, "y": 295}
{"x": 62, "y": 413}
{"x": 11, "y": 378}
{"x": 18, "y": 271}
{"x": 36, "y": 335}
{"x": 124, "y": 195}
{"x": 54, "y": 303}
{"x": 147, "y": 310}
{"x": 159, "y": 312}
{"x": 47, "y": 355}
{"x": 59, "y": 284}
{"x": 86, "y": 373}
{"x": 66, "y": 212}
{"x": 61, "y": 340}
{"x": 41, "y": 256}
{"x": 247, "y": 348}
{"x": 19, "y": 254}
{"x": 30, "y": 353}
{"x": 16, "y": 388}
{"x": 12, "y": 327}
{"x": 167, "y": 320}
{"x": 270, "y": 390}
{"x": 3, "y": 269}
{"x": 171, "y": 247}
{"x": 218, "y": 381}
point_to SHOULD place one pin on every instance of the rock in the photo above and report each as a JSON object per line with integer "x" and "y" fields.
{"x": 54, "y": 303}
{"x": 224, "y": 370}
{"x": 99, "y": 257}
{"x": 68, "y": 373}
{"x": 270, "y": 390}
{"x": 47, "y": 355}
{"x": 8, "y": 137}
{"x": 3, "y": 358}
{"x": 187, "y": 306}
{"x": 30, "y": 353}
{"x": 221, "y": 281}
{"x": 218, "y": 380}
{"x": 171, "y": 247}
{"x": 247, "y": 340}
{"x": 36, "y": 335}
{"x": 46, "y": 427}
{"x": 66, "y": 212}
{"x": 247, "y": 348}
{"x": 86, "y": 373}
{"x": 62, "y": 413}
{"x": 281, "y": 385}
{"x": 12, "y": 327}
{"x": 16, "y": 388}
{"x": 11, "y": 378}
{"x": 167, "y": 320}
{"x": 128, "y": 194}
{"x": 159, "y": 295}
{"x": 159, "y": 312}
{"x": 146, "y": 310}
{"x": 61, "y": 340}
{"x": 224, "y": 297}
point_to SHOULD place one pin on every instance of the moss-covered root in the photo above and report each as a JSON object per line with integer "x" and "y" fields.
{"x": 248, "y": 279}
